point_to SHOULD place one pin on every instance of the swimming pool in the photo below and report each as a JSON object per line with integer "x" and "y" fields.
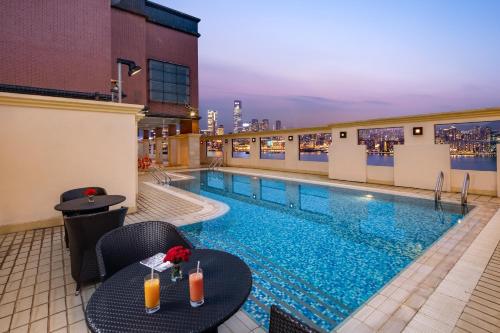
{"x": 317, "y": 251}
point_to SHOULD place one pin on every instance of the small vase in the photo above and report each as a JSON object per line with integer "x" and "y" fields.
{"x": 91, "y": 198}
{"x": 176, "y": 273}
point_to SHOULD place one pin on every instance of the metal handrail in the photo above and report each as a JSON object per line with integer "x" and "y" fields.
{"x": 160, "y": 176}
{"x": 439, "y": 186}
{"x": 216, "y": 163}
{"x": 465, "y": 189}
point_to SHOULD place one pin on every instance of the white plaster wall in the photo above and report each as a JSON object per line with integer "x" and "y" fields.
{"x": 380, "y": 174}
{"x": 290, "y": 163}
{"x": 347, "y": 162}
{"x": 418, "y": 165}
{"x": 481, "y": 182}
{"x": 45, "y": 152}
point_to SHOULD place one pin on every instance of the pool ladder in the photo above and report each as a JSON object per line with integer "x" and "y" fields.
{"x": 465, "y": 189}
{"x": 439, "y": 188}
{"x": 160, "y": 176}
{"x": 216, "y": 163}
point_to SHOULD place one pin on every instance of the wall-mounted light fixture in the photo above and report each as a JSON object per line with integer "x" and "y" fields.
{"x": 418, "y": 130}
{"x": 133, "y": 69}
{"x": 226, "y": 140}
{"x": 290, "y": 138}
{"x": 343, "y": 135}
{"x": 254, "y": 139}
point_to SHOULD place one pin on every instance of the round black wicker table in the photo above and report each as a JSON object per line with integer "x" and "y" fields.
{"x": 118, "y": 304}
{"x": 83, "y": 204}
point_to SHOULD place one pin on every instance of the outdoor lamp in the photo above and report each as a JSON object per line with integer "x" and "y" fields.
{"x": 290, "y": 138}
{"x": 343, "y": 135}
{"x": 418, "y": 130}
{"x": 133, "y": 69}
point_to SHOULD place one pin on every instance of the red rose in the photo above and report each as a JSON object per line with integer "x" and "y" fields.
{"x": 90, "y": 191}
{"x": 177, "y": 254}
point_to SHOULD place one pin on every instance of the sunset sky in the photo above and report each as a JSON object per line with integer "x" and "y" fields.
{"x": 316, "y": 62}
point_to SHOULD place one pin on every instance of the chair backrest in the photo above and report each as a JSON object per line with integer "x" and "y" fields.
{"x": 85, "y": 230}
{"x": 80, "y": 193}
{"x": 282, "y": 322}
{"x": 132, "y": 243}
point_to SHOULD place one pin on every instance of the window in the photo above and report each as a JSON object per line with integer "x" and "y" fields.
{"x": 241, "y": 148}
{"x": 314, "y": 147}
{"x": 168, "y": 83}
{"x": 272, "y": 148}
{"x": 473, "y": 146}
{"x": 214, "y": 148}
{"x": 380, "y": 144}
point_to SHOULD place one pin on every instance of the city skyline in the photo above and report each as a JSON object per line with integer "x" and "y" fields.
{"x": 238, "y": 123}
{"x": 346, "y": 60}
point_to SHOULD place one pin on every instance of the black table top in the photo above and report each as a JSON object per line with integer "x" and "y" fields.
{"x": 83, "y": 204}
{"x": 118, "y": 304}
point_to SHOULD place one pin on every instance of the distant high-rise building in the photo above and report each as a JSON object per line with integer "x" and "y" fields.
{"x": 264, "y": 125}
{"x": 212, "y": 121}
{"x": 245, "y": 127}
{"x": 254, "y": 125}
{"x": 237, "y": 122}
{"x": 278, "y": 125}
{"x": 220, "y": 130}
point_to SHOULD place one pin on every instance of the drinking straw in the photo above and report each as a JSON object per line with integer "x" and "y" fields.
{"x": 152, "y": 273}
{"x": 198, "y": 267}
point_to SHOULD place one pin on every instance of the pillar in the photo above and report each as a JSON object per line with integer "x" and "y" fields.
{"x": 186, "y": 126}
{"x": 172, "y": 129}
{"x": 145, "y": 143}
{"x": 158, "y": 145}
{"x": 195, "y": 126}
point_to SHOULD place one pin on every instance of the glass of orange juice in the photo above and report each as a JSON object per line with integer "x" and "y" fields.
{"x": 152, "y": 292}
{"x": 196, "y": 293}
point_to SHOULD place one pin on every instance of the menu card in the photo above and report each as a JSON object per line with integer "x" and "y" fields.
{"x": 156, "y": 262}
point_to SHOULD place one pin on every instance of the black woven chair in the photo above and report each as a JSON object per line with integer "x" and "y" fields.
{"x": 132, "y": 243}
{"x": 282, "y": 322}
{"x": 75, "y": 194}
{"x": 84, "y": 231}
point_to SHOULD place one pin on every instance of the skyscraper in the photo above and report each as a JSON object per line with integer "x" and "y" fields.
{"x": 264, "y": 126}
{"x": 254, "y": 125}
{"x": 278, "y": 125}
{"x": 220, "y": 130}
{"x": 237, "y": 123}
{"x": 212, "y": 121}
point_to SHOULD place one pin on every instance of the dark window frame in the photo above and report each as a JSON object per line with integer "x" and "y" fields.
{"x": 169, "y": 87}
{"x": 272, "y": 139}
{"x": 232, "y": 147}
{"x": 316, "y": 134}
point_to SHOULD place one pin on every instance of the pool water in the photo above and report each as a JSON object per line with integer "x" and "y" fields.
{"x": 319, "y": 252}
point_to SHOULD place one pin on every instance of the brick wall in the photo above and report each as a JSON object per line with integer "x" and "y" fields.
{"x": 60, "y": 44}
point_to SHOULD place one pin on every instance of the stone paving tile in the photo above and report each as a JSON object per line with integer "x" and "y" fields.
{"x": 36, "y": 287}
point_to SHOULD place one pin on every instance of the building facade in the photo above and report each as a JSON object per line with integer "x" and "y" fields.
{"x": 277, "y": 126}
{"x": 70, "y": 48}
{"x": 237, "y": 117}
{"x": 254, "y": 125}
{"x": 212, "y": 121}
{"x": 220, "y": 130}
{"x": 264, "y": 125}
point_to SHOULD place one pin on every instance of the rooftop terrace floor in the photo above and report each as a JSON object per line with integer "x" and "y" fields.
{"x": 460, "y": 274}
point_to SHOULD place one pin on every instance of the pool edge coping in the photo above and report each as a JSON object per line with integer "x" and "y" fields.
{"x": 394, "y": 286}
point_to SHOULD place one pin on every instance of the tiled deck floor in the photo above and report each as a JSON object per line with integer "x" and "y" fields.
{"x": 37, "y": 291}
{"x": 482, "y": 312}
{"x": 36, "y": 287}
